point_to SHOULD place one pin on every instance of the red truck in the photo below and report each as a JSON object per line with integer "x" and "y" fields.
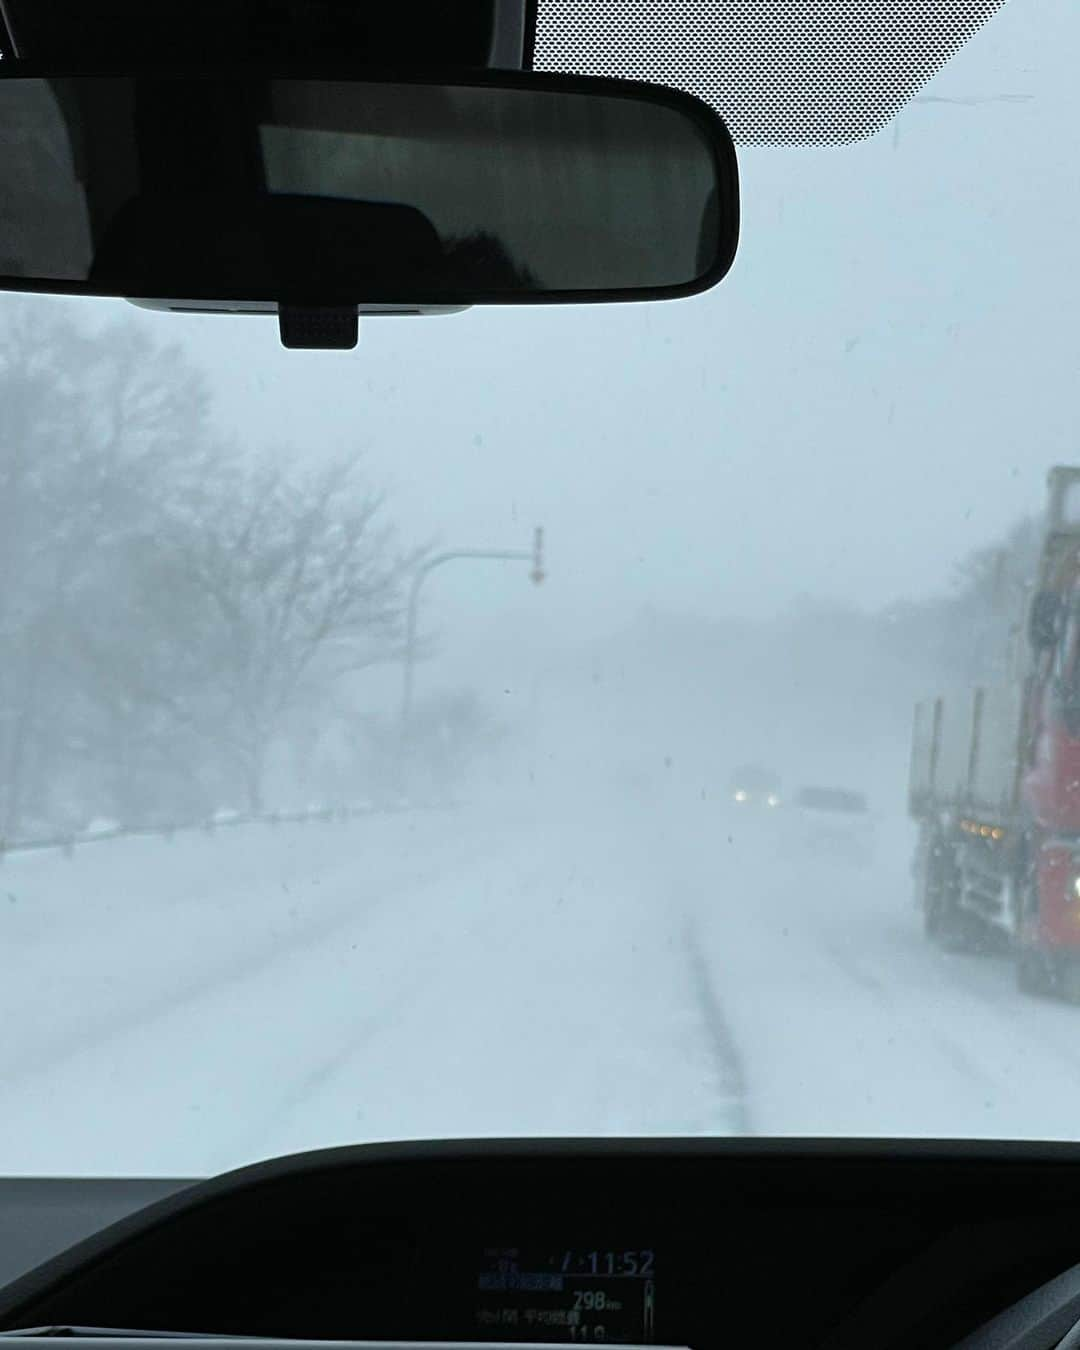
{"x": 995, "y": 778}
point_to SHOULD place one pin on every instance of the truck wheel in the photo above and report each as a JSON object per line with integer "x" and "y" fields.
{"x": 1069, "y": 981}
{"x": 937, "y": 885}
{"x": 944, "y": 922}
{"x": 1033, "y": 975}
{"x": 965, "y": 934}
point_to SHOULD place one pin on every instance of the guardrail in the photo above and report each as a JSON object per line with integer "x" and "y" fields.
{"x": 68, "y": 842}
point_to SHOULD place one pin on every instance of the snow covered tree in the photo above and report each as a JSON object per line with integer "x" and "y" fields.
{"x": 292, "y": 583}
{"x": 166, "y": 600}
{"x": 94, "y": 428}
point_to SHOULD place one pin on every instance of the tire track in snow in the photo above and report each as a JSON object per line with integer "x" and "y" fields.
{"x": 275, "y": 947}
{"x": 509, "y": 948}
{"x": 986, "y": 982}
{"x": 730, "y": 1087}
{"x": 855, "y": 971}
{"x": 909, "y": 977}
{"x": 256, "y": 1140}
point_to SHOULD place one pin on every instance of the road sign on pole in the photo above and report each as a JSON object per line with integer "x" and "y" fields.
{"x": 408, "y": 663}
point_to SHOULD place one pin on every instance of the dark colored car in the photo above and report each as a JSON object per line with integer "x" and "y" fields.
{"x": 836, "y": 822}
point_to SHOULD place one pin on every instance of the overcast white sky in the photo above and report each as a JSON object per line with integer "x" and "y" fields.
{"x": 878, "y": 386}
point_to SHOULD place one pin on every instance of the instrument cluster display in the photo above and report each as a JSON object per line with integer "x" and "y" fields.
{"x": 553, "y": 1293}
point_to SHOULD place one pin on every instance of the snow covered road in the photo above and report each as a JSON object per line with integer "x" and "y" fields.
{"x": 644, "y": 969}
{"x": 849, "y": 1022}
{"x": 408, "y": 976}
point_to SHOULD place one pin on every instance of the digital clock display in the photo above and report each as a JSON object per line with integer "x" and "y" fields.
{"x": 556, "y": 1293}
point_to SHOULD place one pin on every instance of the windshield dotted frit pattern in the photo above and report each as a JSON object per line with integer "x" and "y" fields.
{"x": 827, "y": 71}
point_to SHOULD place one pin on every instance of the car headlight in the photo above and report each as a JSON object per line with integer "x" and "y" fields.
{"x": 772, "y": 799}
{"x": 740, "y": 795}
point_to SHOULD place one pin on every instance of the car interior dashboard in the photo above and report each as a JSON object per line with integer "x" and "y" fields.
{"x": 686, "y": 1242}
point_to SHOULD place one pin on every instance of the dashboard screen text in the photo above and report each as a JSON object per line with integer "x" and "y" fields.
{"x": 594, "y": 1294}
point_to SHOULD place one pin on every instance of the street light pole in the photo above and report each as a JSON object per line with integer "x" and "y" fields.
{"x": 534, "y": 556}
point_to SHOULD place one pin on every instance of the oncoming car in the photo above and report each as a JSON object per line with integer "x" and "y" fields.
{"x": 753, "y": 785}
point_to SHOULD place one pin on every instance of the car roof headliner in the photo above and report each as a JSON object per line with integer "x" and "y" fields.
{"x": 820, "y": 72}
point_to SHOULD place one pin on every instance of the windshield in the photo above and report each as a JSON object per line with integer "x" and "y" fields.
{"x": 339, "y": 805}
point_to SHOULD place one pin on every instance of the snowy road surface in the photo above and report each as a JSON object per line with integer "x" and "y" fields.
{"x": 227, "y": 997}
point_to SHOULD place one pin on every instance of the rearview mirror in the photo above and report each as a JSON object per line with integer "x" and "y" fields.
{"x": 244, "y": 191}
